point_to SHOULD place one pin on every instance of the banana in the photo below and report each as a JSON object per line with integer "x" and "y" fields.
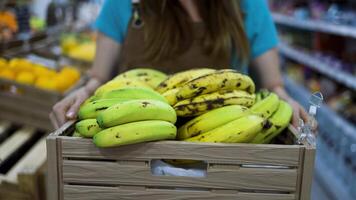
{"x": 178, "y": 79}
{"x": 261, "y": 95}
{"x": 211, "y": 120}
{"x": 76, "y": 134}
{"x": 275, "y": 124}
{"x": 171, "y": 96}
{"x": 136, "y": 110}
{"x": 117, "y": 84}
{"x": 133, "y": 93}
{"x": 241, "y": 130}
{"x": 203, "y": 103}
{"x": 135, "y": 132}
{"x": 219, "y": 80}
{"x": 149, "y": 76}
{"x": 92, "y": 109}
{"x": 87, "y": 127}
{"x": 267, "y": 106}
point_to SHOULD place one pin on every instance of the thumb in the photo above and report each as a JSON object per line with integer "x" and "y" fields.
{"x": 72, "y": 111}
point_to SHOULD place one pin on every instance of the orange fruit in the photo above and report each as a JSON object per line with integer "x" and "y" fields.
{"x": 63, "y": 83}
{"x": 3, "y": 63}
{"x": 26, "y": 78}
{"x": 46, "y": 83}
{"x": 8, "y": 74}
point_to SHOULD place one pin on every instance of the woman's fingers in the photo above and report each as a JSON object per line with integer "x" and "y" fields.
{"x": 73, "y": 110}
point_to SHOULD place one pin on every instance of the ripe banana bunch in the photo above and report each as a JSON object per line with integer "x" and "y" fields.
{"x": 180, "y": 78}
{"x": 275, "y": 124}
{"x": 241, "y": 130}
{"x": 211, "y": 120}
{"x": 267, "y": 106}
{"x": 117, "y": 84}
{"x": 203, "y": 103}
{"x": 149, "y": 76}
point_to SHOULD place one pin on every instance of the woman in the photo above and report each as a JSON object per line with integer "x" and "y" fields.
{"x": 176, "y": 35}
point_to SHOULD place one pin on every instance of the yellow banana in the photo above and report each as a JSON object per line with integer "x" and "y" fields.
{"x": 133, "y": 93}
{"x": 211, "y": 120}
{"x": 90, "y": 110}
{"x": 136, "y": 110}
{"x": 267, "y": 106}
{"x": 87, "y": 127}
{"x": 203, "y": 103}
{"x": 275, "y": 124}
{"x": 117, "y": 84}
{"x": 178, "y": 79}
{"x": 171, "y": 96}
{"x": 135, "y": 132}
{"x": 149, "y": 76}
{"x": 241, "y": 130}
{"x": 216, "y": 81}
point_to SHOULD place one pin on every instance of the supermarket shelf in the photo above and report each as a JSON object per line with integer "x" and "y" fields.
{"x": 331, "y": 121}
{"x": 328, "y": 180}
{"x": 342, "y": 77}
{"x": 315, "y": 25}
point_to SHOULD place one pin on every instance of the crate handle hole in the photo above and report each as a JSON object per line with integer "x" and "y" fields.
{"x": 177, "y": 167}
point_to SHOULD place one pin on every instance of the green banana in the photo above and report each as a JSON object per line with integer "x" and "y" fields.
{"x": 117, "y": 84}
{"x": 87, "y": 127}
{"x": 133, "y": 93}
{"x": 216, "y": 81}
{"x": 180, "y": 78}
{"x": 203, "y": 103}
{"x": 149, "y": 76}
{"x": 267, "y": 106}
{"x": 135, "y": 132}
{"x": 90, "y": 110}
{"x": 241, "y": 130}
{"x": 76, "y": 134}
{"x": 136, "y": 110}
{"x": 275, "y": 124}
{"x": 260, "y": 95}
{"x": 211, "y": 120}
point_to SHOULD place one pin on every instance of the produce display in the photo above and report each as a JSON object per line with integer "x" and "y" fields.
{"x": 217, "y": 106}
{"x": 79, "y": 46}
{"x": 26, "y": 72}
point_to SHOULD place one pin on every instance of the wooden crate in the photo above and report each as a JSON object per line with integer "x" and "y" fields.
{"x": 79, "y": 170}
{"x": 30, "y": 105}
{"x": 22, "y": 163}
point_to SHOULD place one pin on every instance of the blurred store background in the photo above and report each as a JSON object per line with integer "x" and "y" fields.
{"x": 47, "y": 41}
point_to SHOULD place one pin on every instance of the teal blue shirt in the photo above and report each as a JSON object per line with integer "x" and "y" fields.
{"x": 259, "y": 27}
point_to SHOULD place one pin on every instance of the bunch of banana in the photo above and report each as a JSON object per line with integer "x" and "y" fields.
{"x": 115, "y": 107}
{"x": 149, "y": 76}
{"x": 135, "y": 121}
{"x": 195, "y": 92}
{"x": 275, "y": 124}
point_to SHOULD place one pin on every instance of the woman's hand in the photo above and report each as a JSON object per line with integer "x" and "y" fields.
{"x": 67, "y": 108}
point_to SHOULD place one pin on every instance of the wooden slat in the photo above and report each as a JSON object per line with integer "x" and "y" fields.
{"x": 287, "y": 155}
{"x": 4, "y": 126}
{"x": 53, "y": 180}
{"x": 15, "y": 141}
{"x": 30, "y": 163}
{"x": 74, "y": 192}
{"x": 26, "y": 107}
{"x": 308, "y": 168}
{"x": 222, "y": 178}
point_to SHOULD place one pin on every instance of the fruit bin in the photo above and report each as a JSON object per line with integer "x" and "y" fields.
{"x": 31, "y": 105}
{"x": 80, "y": 170}
{"x": 22, "y": 162}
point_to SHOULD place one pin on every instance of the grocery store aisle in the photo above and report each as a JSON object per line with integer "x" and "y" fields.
{"x": 318, "y": 192}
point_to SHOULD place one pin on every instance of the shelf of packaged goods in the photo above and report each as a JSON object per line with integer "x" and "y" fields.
{"x": 344, "y": 78}
{"x": 329, "y": 121}
{"x": 315, "y": 25}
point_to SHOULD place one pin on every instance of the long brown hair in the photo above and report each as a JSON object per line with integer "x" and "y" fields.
{"x": 168, "y": 28}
